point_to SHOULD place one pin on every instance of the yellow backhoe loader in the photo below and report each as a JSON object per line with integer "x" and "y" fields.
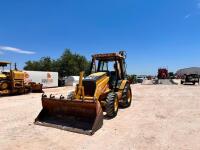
{"x": 104, "y": 90}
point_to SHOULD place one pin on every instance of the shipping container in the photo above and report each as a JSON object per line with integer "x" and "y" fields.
{"x": 48, "y": 79}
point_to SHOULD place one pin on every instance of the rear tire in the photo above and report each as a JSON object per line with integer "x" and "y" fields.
{"x": 126, "y": 97}
{"x": 112, "y": 105}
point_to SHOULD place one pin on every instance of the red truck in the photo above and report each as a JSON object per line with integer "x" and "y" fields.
{"x": 163, "y": 73}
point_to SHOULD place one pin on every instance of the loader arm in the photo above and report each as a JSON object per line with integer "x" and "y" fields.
{"x": 79, "y": 92}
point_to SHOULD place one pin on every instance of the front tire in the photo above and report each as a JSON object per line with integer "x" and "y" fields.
{"x": 126, "y": 97}
{"x": 112, "y": 105}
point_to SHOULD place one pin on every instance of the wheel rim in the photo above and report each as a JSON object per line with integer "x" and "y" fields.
{"x": 129, "y": 96}
{"x": 116, "y": 104}
{"x": 4, "y": 86}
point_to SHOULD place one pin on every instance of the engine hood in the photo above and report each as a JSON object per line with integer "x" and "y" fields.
{"x": 2, "y": 75}
{"x": 95, "y": 76}
{"x": 91, "y": 82}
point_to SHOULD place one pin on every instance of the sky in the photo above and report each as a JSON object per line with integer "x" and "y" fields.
{"x": 156, "y": 33}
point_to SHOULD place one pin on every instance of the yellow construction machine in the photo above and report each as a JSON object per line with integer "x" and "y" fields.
{"x": 12, "y": 81}
{"x": 104, "y": 90}
{"x": 36, "y": 87}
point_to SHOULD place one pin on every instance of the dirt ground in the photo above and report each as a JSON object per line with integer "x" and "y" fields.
{"x": 162, "y": 117}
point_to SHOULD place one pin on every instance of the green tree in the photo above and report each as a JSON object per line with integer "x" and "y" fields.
{"x": 66, "y": 65}
{"x": 44, "y": 64}
{"x": 32, "y": 65}
{"x": 72, "y": 64}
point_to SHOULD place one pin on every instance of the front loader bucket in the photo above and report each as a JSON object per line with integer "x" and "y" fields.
{"x": 79, "y": 116}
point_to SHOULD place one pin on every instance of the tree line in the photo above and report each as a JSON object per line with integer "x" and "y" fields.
{"x": 68, "y": 64}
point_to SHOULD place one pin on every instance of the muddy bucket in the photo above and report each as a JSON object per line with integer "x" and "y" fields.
{"x": 79, "y": 116}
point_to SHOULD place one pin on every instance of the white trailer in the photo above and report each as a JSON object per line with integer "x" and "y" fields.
{"x": 48, "y": 79}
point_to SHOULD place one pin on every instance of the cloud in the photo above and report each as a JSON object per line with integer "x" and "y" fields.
{"x": 16, "y": 50}
{"x": 195, "y": 12}
{"x": 198, "y": 4}
{"x": 187, "y": 16}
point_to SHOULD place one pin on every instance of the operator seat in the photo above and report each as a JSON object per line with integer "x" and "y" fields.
{"x": 113, "y": 79}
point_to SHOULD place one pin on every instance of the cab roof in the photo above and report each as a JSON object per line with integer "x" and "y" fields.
{"x": 108, "y": 56}
{"x": 4, "y": 63}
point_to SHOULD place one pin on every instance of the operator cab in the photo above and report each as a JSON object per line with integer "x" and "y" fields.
{"x": 113, "y": 64}
{"x": 4, "y": 67}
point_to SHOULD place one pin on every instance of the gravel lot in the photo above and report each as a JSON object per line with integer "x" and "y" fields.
{"x": 162, "y": 117}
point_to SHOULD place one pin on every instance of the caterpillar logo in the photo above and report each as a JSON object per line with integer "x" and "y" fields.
{"x": 26, "y": 75}
{"x": 26, "y": 78}
{"x": 48, "y": 76}
{"x": 48, "y": 79}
